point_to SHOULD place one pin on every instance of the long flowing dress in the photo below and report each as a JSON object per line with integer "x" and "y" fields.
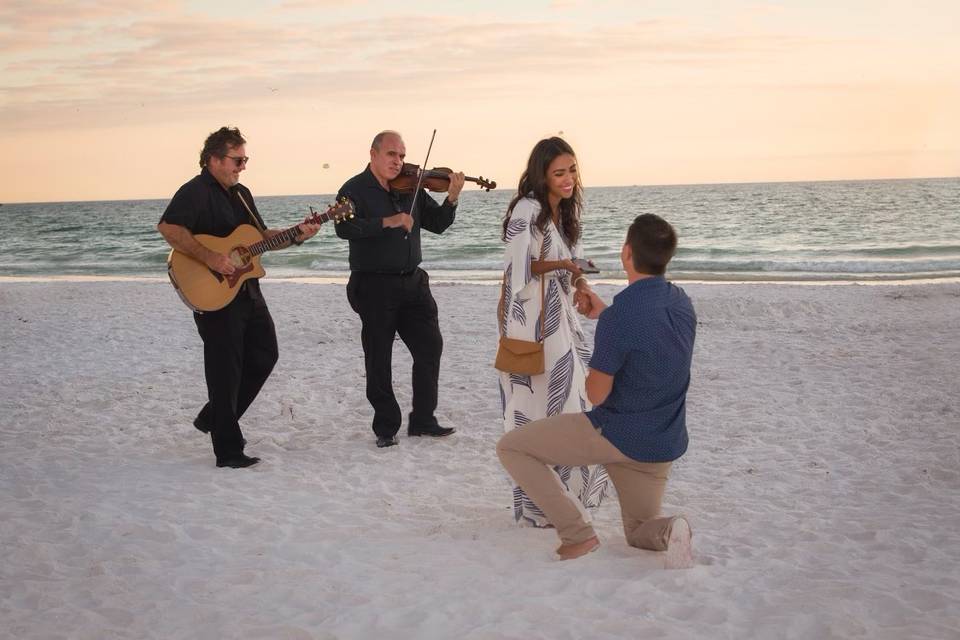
{"x": 561, "y": 387}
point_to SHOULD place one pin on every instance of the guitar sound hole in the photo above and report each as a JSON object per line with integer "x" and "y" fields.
{"x": 240, "y": 257}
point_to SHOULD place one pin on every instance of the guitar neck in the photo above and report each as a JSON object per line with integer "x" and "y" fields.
{"x": 280, "y": 240}
{"x": 276, "y": 241}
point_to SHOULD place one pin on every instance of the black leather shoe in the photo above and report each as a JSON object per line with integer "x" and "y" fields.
{"x": 433, "y": 430}
{"x": 201, "y": 425}
{"x": 238, "y": 461}
{"x": 386, "y": 441}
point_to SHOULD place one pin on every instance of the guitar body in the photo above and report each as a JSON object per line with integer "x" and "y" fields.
{"x": 203, "y": 289}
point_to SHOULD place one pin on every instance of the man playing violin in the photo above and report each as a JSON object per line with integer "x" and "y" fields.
{"x": 389, "y": 290}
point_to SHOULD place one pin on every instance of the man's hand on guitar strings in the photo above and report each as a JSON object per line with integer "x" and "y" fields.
{"x": 220, "y": 263}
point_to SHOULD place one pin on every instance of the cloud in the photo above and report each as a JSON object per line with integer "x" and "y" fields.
{"x": 164, "y": 57}
{"x": 307, "y": 5}
{"x": 47, "y": 15}
{"x": 33, "y": 25}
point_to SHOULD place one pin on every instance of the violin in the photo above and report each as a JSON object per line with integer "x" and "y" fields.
{"x": 436, "y": 179}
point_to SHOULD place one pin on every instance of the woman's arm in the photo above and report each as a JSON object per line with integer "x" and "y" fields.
{"x": 579, "y": 281}
{"x": 539, "y": 267}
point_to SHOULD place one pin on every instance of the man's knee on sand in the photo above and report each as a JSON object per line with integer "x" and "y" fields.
{"x": 508, "y": 444}
{"x": 651, "y": 535}
{"x": 503, "y": 445}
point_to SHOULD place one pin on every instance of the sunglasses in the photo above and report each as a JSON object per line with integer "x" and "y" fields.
{"x": 238, "y": 160}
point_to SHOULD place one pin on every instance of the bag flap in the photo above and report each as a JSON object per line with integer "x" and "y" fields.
{"x": 520, "y": 347}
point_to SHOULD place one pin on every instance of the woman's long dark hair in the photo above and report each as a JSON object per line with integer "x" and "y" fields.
{"x": 533, "y": 183}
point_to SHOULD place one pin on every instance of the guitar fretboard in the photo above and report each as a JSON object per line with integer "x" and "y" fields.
{"x": 287, "y": 235}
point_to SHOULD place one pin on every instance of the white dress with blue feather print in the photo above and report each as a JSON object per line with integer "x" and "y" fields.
{"x": 561, "y": 387}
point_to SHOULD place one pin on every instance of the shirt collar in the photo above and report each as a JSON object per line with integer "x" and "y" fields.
{"x": 371, "y": 179}
{"x": 207, "y": 177}
{"x": 643, "y": 284}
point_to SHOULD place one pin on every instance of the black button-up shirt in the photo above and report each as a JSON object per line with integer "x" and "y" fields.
{"x": 204, "y": 206}
{"x": 375, "y": 249}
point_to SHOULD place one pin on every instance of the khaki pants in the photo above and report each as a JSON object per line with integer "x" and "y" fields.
{"x": 527, "y": 453}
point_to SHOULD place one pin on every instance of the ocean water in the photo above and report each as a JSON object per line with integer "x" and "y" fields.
{"x": 798, "y": 231}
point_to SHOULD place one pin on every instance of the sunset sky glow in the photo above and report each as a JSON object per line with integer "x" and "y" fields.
{"x": 112, "y": 100}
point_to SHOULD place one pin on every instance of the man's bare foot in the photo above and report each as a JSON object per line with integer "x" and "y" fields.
{"x": 571, "y": 551}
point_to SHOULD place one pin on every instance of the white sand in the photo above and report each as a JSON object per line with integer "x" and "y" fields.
{"x": 822, "y": 482}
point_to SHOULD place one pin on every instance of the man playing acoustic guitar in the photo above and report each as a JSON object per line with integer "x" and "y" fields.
{"x": 239, "y": 340}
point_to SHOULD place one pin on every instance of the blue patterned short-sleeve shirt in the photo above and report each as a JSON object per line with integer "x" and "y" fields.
{"x": 645, "y": 341}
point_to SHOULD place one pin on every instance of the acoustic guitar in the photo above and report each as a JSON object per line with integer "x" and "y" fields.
{"x": 203, "y": 289}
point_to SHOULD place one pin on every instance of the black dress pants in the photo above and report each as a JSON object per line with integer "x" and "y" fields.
{"x": 388, "y": 305}
{"x": 239, "y": 352}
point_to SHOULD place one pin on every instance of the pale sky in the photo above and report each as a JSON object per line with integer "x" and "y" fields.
{"x": 112, "y": 100}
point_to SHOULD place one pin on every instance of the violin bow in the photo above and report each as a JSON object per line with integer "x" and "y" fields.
{"x": 423, "y": 170}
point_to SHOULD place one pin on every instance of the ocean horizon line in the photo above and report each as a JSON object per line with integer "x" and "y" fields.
{"x": 444, "y": 278}
{"x": 594, "y": 186}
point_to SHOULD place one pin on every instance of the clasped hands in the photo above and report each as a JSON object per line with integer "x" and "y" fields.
{"x": 587, "y": 302}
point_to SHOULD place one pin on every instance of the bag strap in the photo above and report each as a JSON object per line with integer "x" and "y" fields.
{"x": 501, "y": 307}
{"x": 256, "y": 222}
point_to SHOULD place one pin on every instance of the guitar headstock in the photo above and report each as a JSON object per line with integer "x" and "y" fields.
{"x": 338, "y": 212}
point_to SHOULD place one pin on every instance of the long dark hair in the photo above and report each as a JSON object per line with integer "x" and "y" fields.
{"x": 533, "y": 183}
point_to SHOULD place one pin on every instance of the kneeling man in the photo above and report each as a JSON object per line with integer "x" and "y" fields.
{"x": 638, "y": 380}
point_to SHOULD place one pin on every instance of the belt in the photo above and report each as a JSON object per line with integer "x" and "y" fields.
{"x": 389, "y": 273}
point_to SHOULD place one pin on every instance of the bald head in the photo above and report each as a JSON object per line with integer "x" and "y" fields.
{"x": 379, "y": 138}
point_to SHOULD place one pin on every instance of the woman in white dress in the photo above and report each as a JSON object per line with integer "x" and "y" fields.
{"x": 542, "y": 232}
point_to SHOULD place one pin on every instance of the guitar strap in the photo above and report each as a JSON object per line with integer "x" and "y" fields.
{"x": 256, "y": 222}
{"x": 254, "y": 289}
